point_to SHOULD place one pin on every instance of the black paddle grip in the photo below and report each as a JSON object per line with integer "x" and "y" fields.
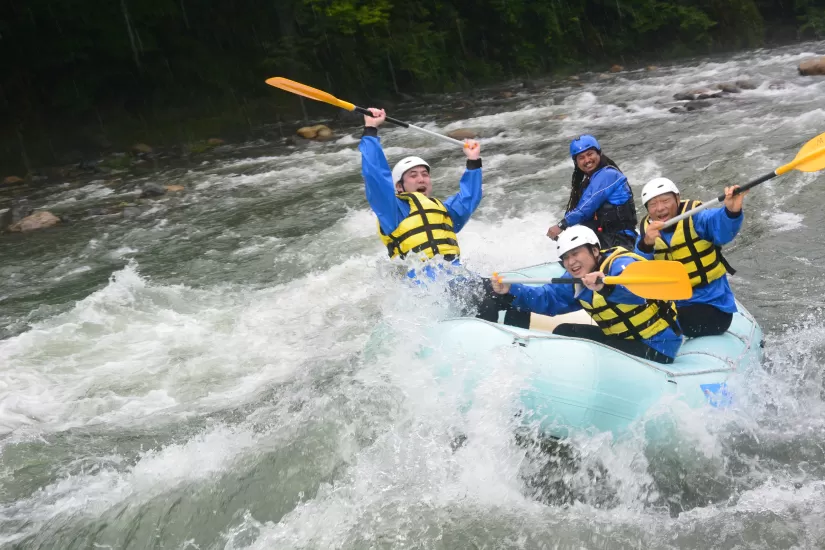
{"x": 562, "y": 281}
{"x": 750, "y": 184}
{"x": 389, "y": 119}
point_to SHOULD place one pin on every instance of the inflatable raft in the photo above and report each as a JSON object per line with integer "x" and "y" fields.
{"x": 576, "y": 384}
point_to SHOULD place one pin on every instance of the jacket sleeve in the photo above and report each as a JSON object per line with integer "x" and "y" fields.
{"x": 546, "y": 300}
{"x": 643, "y": 249}
{"x": 603, "y": 184}
{"x": 719, "y": 225}
{"x": 378, "y": 183}
{"x": 462, "y": 205}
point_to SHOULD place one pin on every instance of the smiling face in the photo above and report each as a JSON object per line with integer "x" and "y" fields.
{"x": 415, "y": 180}
{"x": 581, "y": 260}
{"x": 663, "y": 207}
{"x": 588, "y": 161}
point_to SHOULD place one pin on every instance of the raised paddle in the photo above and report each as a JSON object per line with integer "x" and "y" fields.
{"x": 652, "y": 280}
{"x": 811, "y": 158}
{"x": 319, "y": 95}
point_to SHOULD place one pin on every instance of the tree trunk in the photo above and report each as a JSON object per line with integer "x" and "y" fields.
{"x": 23, "y": 154}
{"x": 183, "y": 12}
{"x": 304, "y": 109}
{"x": 460, "y": 36}
{"x": 286, "y": 20}
{"x": 392, "y": 73}
{"x": 131, "y": 33}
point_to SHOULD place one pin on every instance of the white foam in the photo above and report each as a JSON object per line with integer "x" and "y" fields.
{"x": 90, "y": 192}
{"x": 504, "y": 119}
{"x": 640, "y": 173}
{"x": 90, "y": 365}
{"x": 157, "y": 471}
{"x": 123, "y": 252}
{"x": 785, "y": 221}
{"x": 73, "y": 272}
{"x": 411, "y": 462}
{"x": 510, "y": 243}
{"x": 348, "y": 139}
{"x": 333, "y": 324}
{"x": 258, "y": 244}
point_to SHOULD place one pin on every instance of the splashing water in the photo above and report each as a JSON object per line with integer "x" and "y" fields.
{"x": 243, "y": 369}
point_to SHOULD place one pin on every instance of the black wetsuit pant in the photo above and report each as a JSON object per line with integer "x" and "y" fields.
{"x": 703, "y": 320}
{"x": 633, "y": 347}
{"x": 488, "y": 304}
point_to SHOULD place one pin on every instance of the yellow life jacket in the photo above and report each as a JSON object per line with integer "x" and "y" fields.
{"x": 427, "y": 229}
{"x": 628, "y": 321}
{"x": 703, "y": 259}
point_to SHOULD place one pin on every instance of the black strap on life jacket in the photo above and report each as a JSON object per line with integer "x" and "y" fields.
{"x": 701, "y": 270}
{"x": 614, "y": 218}
{"x": 623, "y": 317}
{"x": 664, "y": 307}
{"x": 669, "y": 314}
{"x": 426, "y": 227}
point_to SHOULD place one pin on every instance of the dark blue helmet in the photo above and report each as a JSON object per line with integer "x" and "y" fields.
{"x": 582, "y": 144}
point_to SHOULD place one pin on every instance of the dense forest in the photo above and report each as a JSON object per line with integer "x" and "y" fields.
{"x": 105, "y": 72}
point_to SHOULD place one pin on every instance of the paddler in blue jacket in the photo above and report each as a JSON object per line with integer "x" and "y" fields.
{"x": 412, "y": 221}
{"x": 600, "y": 197}
{"x": 696, "y": 242}
{"x": 629, "y": 323}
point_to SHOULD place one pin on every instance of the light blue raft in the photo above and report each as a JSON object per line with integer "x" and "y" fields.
{"x": 577, "y": 384}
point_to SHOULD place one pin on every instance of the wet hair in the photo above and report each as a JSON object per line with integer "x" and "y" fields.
{"x": 577, "y": 187}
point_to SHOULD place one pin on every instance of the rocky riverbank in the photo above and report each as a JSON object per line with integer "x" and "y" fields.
{"x": 123, "y": 184}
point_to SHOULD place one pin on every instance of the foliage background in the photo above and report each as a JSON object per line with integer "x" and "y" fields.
{"x": 86, "y": 74}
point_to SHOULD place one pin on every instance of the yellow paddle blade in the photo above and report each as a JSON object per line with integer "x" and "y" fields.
{"x": 811, "y": 158}
{"x": 308, "y": 91}
{"x": 655, "y": 280}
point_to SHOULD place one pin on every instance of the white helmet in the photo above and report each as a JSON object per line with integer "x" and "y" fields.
{"x": 404, "y": 165}
{"x": 574, "y": 237}
{"x": 656, "y": 187}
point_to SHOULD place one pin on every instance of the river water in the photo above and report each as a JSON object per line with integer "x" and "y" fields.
{"x": 237, "y": 368}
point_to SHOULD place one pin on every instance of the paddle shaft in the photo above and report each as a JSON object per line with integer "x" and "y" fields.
{"x": 403, "y": 124}
{"x": 784, "y": 169}
{"x": 718, "y": 200}
{"x": 319, "y": 95}
{"x": 565, "y": 281}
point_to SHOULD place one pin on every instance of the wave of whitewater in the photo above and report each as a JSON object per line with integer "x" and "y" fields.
{"x": 239, "y": 369}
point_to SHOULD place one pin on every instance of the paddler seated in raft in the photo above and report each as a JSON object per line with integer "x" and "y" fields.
{"x": 411, "y": 221}
{"x": 600, "y": 197}
{"x": 626, "y": 322}
{"x": 696, "y": 242}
